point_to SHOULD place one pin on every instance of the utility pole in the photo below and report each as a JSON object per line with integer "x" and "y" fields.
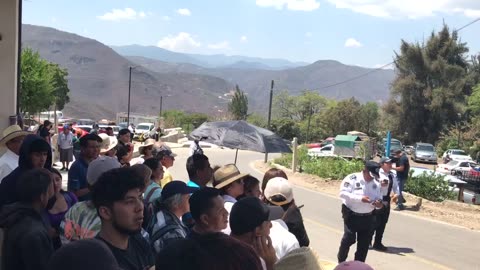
{"x": 269, "y": 114}
{"x": 129, "y": 89}
{"x": 308, "y": 125}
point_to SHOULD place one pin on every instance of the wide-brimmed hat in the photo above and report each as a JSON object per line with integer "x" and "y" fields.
{"x": 147, "y": 143}
{"x": 12, "y": 132}
{"x": 226, "y": 175}
{"x": 108, "y": 142}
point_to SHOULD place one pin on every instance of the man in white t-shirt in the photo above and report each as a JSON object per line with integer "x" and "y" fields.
{"x": 12, "y": 140}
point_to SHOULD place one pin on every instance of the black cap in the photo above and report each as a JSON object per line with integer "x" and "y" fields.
{"x": 176, "y": 187}
{"x": 123, "y": 132}
{"x": 249, "y": 213}
{"x": 373, "y": 167}
{"x": 165, "y": 153}
{"x": 385, "y": 160}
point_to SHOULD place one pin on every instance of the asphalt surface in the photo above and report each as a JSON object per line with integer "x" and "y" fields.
{"x": 413, "y": 242}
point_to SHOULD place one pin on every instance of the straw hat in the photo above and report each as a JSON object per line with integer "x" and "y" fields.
{"x": 108, "y": 142}
{"x": 226, "y": 175}
{"x": 147, "y": 143}
{"x": 12, "y": 132}
{"x": 301, "y": 258}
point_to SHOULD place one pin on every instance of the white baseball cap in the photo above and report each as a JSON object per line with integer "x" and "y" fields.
{"x": 279, "y": 186}
{"x": 100, "y": 165}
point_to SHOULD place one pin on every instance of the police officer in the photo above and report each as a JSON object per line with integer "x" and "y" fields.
{"x": 389, "y": 182}
{"x": 361, "y": 194}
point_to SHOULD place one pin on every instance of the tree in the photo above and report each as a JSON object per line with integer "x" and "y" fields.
{"x": 42, "y": 84}
{"x": 368, "y": 118}
{"x": 238, "y": 107}
{"x": 298, "y": 107}
{"x": 257, "y": 120}
{"x": 429, "y": 90}
{"x": 35, "y": 83}
{"x": 60, "y": 86}
{"x": 343, "y": 117}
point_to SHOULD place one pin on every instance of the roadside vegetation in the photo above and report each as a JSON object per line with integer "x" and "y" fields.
{"x": 431, "y": 187}
{"x": 335, "y": 168}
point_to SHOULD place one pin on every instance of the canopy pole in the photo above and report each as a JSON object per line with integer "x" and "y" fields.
{"x": 236, "y": 155}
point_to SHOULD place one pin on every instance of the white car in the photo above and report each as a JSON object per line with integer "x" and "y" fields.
{"x": 456, "y": 154}
{"x": 457, "y": 166}
{"x": 144, "y": 127}
{"x": 325, "y": 151}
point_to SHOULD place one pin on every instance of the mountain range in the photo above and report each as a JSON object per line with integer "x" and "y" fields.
{"x": 98, "y": 76}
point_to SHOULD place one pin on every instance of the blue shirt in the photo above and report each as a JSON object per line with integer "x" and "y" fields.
{"x": 190, "y": 183}
{"x": 155, "y": 193}
{"x": 77, "y": 178}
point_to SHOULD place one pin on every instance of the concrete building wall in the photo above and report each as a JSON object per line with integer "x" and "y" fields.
{"x": 9, "y": 12}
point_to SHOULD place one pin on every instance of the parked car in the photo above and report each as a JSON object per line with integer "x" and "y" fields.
{"x": 123, "y": 125}
{"x": 408, "y": 149}
{"x": 424, "y": 152}
{"x": 456, "y": 167}
{"x": 326, "y": 151}
{"x": 456, "y": 154}
{"x": 394, "y": 146}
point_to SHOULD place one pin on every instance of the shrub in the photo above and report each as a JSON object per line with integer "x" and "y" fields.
{"x": 326, "y": 167}
{"x": 429, "y": 186}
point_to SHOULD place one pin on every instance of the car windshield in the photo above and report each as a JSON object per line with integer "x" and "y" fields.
{"x": 143, "y": 127}
{"x": 425, "y": 148}
{"x": 452, "y": 163}
{"x": 459, "y": 152}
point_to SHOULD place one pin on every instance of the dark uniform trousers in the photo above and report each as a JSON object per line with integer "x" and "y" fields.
{"x": 356, "y": 228}
{"x": 381, "y": 215}
{"x": 381, "y": 219}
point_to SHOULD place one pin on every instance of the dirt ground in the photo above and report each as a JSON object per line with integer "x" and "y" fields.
{"x": 455, "y": 213}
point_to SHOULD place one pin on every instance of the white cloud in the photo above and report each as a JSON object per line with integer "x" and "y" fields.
{"x": 184, "y": 12}
{"x": 224, "y": 45}
{"x": 166, "y": 18}
{"x": 182, "y": 42}
{"x": 352, "y": 43}
{"x": 122, "y": 14}
{"x": 308, "y": 34}
{"x": 410, "y": 8}
{"x": 243, "y": 39}
{"x": 300, "y": 5}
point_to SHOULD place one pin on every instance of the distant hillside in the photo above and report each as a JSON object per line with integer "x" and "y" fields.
{"x": 98, "y": 78}
{"x": 209, "y": 61}
{"x": 319, "y": 75}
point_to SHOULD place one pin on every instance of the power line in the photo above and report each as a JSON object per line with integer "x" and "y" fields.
{"x": 382, "y": 67}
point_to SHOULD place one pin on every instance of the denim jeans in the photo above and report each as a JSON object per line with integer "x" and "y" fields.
{"x": 401, "y": 187}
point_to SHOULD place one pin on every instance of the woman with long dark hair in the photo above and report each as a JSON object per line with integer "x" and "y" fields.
{"x": 59, "y": 205}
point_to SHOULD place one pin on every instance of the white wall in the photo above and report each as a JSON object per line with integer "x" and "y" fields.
{"x": 8, "y": 60}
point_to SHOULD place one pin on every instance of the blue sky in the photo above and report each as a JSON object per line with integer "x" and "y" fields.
{"x": 358, "y": 32}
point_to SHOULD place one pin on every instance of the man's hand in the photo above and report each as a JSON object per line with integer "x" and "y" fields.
{"x": 263, "y": 246}
{"x": 378, "y": 204}
{"x": 366, "y": 199}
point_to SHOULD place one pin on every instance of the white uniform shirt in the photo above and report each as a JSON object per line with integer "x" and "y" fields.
{"x": 283, "y": 241}
{"x": 8, "y": 163}
{"x": 354, "y": 187}
{"x": 384, "y": 176}
{"x": 229, "y": 202}
{"x": 65, "y": 141}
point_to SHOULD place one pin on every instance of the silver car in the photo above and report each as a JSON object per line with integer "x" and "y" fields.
{"x": 424, "y": 152}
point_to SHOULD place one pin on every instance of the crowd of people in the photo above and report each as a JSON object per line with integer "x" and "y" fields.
{"x": 119, "y": 214}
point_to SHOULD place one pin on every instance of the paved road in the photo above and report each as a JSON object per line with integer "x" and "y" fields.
{"x": 415, "y": 243}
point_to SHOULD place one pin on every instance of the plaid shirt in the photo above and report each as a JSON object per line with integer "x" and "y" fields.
{"x": 168, "y": 229}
